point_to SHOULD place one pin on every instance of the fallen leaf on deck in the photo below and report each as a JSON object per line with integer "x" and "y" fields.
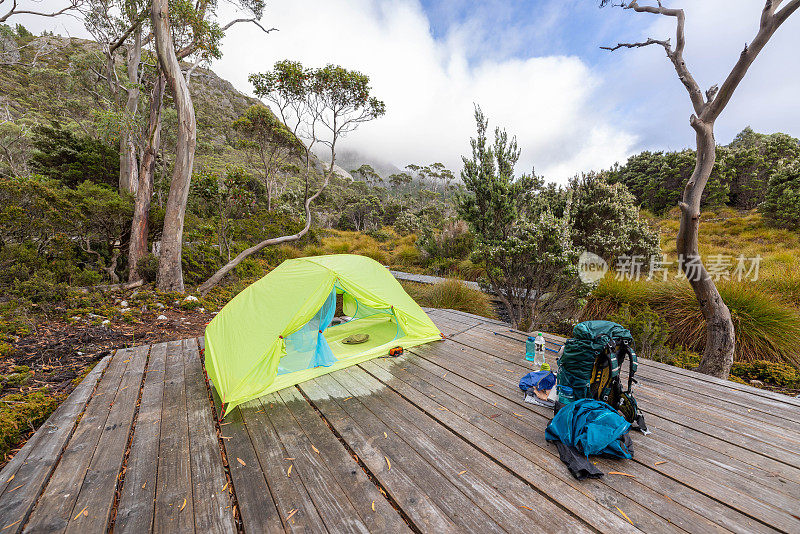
{"x": 621, "y": 473}
{"x": 10, "y": 479}
{"x": 294, "y": 511}
{"x": 523, "y": 506}
{"x": 490, "y": 386}
{"x": 288, "y": 458}
{"x": 462, "y": 472}
{"x": 289, "y": 471}
{"x": 624, "y": 514}
{"x": 240, "y": 461}
{"x": 11, "y": 524}
{"x": 385, "y": 435}
{"x": 661, "y": 462}
{"x": 18, "y": 487}
{"x": 444, "y": 375}
{"x": 183, "y": 505}
{"x": 348, "y": 398}
{"x": 515, "y": 413}
{"x": 143, "y": 485}
{"x": 225, "y": 486}
{"x": 315, "y": 449}
{"x": 373, "y": 506}
{"x": 388, "y": 463}
{"x": 79, "y": 513}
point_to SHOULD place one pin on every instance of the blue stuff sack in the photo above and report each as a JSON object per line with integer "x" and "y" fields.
{"x": 543, "y": 380}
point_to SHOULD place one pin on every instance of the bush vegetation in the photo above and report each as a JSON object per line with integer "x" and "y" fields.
{"x": 451, "y": 294}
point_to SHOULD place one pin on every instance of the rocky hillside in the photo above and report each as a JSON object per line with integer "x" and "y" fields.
{"x": 58, "y": 79}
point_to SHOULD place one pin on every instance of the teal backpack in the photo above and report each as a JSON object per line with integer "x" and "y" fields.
{"x": 591, "y": 362}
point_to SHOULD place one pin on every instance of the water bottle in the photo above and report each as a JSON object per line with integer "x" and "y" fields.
{"x": 565, "y": 394}
{"x": 530, "y": 349}
{"x": 538, "y": 359}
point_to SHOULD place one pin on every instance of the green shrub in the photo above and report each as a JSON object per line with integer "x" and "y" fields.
{"x": 444, "y": 249}
{"x": 773, "y": 373}
{"x": 407, "y": 223}
{"x": 382, "y": 235}
{"x": 649, "y": 330}
{"x": 781, "y": 206}
{"x": 86, "y": 278}
{"x": 72, "y": 158}
{"x": 200, "y": 261}
{"x": 20, "y": 412}
{"x": 147, "y": 267}
{"x": 6, "y": 350}
{"x": 19, "y": 377}
{"x": 250, "y": 269}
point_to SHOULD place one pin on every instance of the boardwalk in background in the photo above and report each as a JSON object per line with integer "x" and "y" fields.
{"x": 437, "y": 440}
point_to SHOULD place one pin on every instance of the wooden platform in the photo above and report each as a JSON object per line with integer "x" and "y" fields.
{"x": 438, "y": 440}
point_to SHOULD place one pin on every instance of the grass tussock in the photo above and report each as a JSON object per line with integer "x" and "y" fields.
{"x": 767, "y": 327}
{"x": 451, "y": 294}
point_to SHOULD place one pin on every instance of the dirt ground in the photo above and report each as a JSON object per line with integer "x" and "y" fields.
{"x": 58, "y": 352}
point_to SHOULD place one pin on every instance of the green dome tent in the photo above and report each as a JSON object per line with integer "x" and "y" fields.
{"x": 278, "y": 332}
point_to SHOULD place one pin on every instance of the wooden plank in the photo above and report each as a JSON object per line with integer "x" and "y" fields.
{"x": 773, "y": 399}
{"x": 528, "y": 460}
{"x": 307, "y": 467}
{"x": 52, "y": 511}
{"x": 256, "y": 506}
{"x": 397, "y": 454}
{"x": 746, "y": 397}
{"x": 174, "y": 506}
{"x": 137, "y": 498}
{"x": 378, "y": 514}
{"x": 489, "y": 411}
{"x": 415, "y": 502}
{"x": 92, "y": 509}
{"x": 212, "y": 505}
{"x": 289, "y": 494}
{"x": 493, "y": 489}
{"x": 34, "y": 463}
{"x": 747, "y": 504}
{"x": 498, "y": 351}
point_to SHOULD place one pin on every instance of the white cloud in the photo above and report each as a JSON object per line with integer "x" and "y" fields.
{"x": 657, "y": 105}
{"x": 568, "y": 115}
{"x": 429, "y": 86}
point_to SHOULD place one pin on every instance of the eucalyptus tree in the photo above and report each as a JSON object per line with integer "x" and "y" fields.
{"x": 708, "y": 106}
{"x": 267, "y": 144}
{"x": 197, "y": 33}
{"x": 319, "y": 105}
{"x": 367, "y": 173}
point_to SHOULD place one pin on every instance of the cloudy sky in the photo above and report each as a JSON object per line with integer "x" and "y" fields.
{"x": 535, "y": 68}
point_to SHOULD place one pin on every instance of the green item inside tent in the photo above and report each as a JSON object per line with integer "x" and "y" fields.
{"x": 278, "y": 332}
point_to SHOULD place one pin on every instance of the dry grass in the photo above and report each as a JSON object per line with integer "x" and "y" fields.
{"x": 451, "y": 294}
{"x": 767, "y": 327}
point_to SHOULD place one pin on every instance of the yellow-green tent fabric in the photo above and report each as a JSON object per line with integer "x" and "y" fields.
{"x": 277, "y": 333}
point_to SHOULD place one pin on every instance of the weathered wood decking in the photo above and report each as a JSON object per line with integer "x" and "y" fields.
{"x": 438, "y": 440}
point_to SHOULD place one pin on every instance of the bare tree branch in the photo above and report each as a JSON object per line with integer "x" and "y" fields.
{"x": 135, "y": 24}
{"x": 191, "y": 48}
{"x": 253, "y": 20}
{"x": 770, "y": 22}
{"x": 676, "y": 56}
{"x": 73, "y": 5}
{"x": 650, "y": 41}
